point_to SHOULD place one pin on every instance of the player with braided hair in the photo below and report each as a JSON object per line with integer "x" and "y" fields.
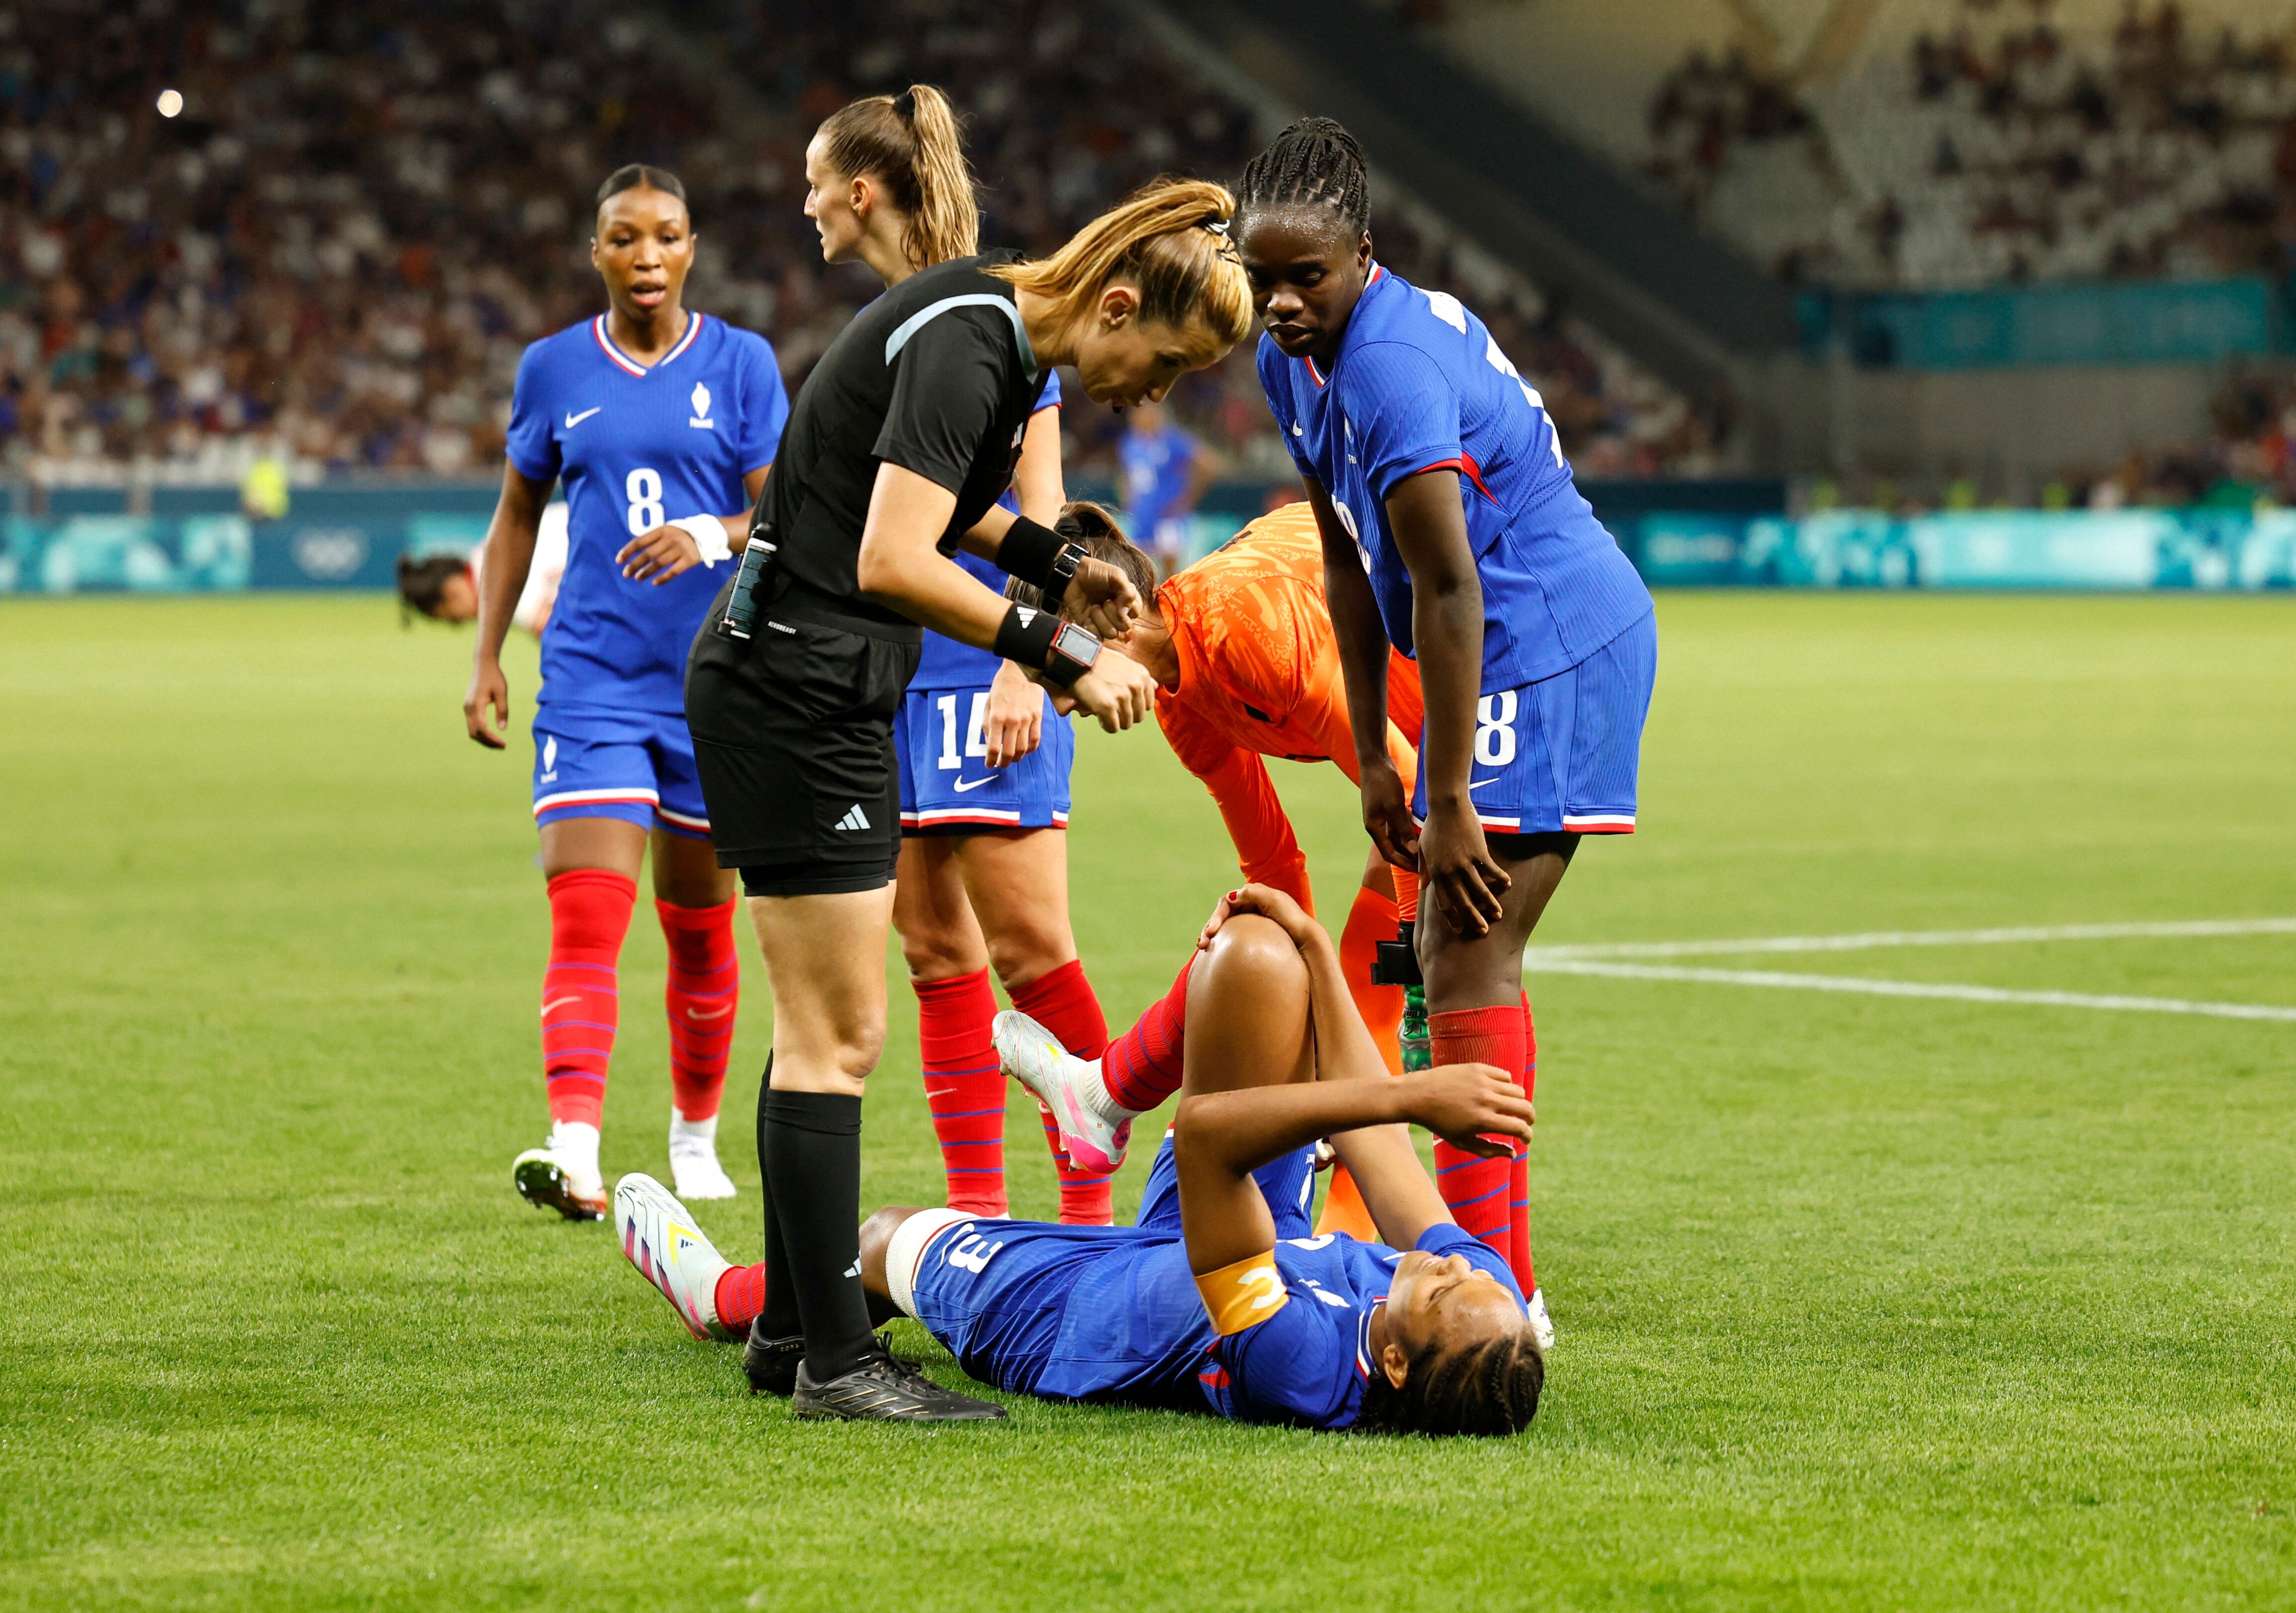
{"x": 1451, "y": 531}
{"x": 1219, "y": 1299}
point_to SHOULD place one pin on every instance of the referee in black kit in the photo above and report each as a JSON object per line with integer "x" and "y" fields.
{"x": 897, "y": 447}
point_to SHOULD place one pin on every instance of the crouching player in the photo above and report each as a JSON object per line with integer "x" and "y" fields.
{"x": 1219, "y": 1301}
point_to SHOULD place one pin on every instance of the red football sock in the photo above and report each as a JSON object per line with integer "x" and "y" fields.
{"x": 1086, "y": 1200}
{"x": 964, "y": 1088}
{"x": 741, "y": 1295}
{"x": 704, "y": 990}
{"x": 1370, "y": 921}
{"x": 1476, "y": 1189}
{"x": 1062, "y": 1003}
{"x": 1519, "y": 1205}
{"x": 589, "y": 915}
{"x": 1144, "y": 1066}
{"x": 1407, "y": 894}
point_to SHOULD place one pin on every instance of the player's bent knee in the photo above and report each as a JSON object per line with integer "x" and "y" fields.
{"x": 1252, "y": 954}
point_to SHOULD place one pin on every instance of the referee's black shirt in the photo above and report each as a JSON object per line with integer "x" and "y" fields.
{"x": 936, "y": 376}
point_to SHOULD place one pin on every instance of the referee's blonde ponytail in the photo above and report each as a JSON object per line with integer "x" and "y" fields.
{"x": 910, "y": 144}
{"x": 1171, "y": 239}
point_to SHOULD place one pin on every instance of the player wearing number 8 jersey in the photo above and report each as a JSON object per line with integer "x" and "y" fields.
{"x": 1451, "y": 531}
{"x": 660, "y": 421}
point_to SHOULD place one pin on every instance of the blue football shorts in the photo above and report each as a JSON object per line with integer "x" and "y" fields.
{"x": 948, "y": 788}
{"x": 1075, "y": 1313}
{"x": 1563, "y": 753}
{"x": 637, "y": 766}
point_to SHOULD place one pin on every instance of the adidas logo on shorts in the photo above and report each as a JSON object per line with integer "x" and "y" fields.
{"x": 854, "y": 819}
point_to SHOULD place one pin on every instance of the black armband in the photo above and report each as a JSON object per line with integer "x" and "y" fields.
{"x": 1043, "y": 643}
{"x": 1040, "y": 557}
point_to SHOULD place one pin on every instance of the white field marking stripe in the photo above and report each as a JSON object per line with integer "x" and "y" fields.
{"x": 1903, "y": 988}
{"x": 1921, "y": 938}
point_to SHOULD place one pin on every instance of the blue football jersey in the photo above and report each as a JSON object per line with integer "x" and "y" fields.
{"x": 1418, "y": 385}
{"x": 637, "y": 447}
{"x": 1156, "y": 471}
{"x": 1309, "y": 1361}
{"x": 945, "y": 663}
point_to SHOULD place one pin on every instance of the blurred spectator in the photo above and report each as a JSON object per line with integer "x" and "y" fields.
{"x": 364, "y": 214}
{"x": 2008, "y": 149}
{"x": 1702, "y": 108}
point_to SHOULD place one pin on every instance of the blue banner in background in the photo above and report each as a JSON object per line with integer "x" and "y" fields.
{"x": 195, "y": 539}
{"x": 2119, "y": 550}
{"x": 352, "y": 539}
{"x": 2167, "y": 322}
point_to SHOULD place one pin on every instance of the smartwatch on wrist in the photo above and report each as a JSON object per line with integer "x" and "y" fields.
{"x": 1073, "y": 652}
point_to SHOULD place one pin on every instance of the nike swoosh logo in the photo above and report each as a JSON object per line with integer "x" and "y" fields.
{"x": 964, "y": 784}
{"x": 573, "y": 420}
{"x": 559, "y": 1002}
{"x": 1479, "y": 784}
{"x": 715, "y": 1013}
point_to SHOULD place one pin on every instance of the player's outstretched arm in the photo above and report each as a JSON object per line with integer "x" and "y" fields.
{"x": 1364, "y": 650}
{"x": 501, "y": 577}
{"x": 900, "y": 563}
{"x": 1218, "y": 1139}
{"x": 1447, "y": 624}
{"x": 1365, "y": 1109}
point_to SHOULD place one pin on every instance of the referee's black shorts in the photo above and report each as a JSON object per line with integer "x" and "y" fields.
{"x": 793, "y": 738}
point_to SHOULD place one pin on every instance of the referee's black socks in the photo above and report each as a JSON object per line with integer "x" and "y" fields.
{"x": 810, "y": 1147}
{"x": 779, "y": 1319}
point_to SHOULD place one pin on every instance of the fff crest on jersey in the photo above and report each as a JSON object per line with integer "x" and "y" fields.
{"x": 700, "y": 401}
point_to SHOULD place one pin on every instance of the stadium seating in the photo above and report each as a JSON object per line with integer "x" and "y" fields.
{"x": 1930, "y": 143}
{"x": 341, "y": 246}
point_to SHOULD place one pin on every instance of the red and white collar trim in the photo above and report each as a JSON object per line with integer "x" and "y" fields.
{"x": 606, "y": 343}
{"x": 1378, "y": 273}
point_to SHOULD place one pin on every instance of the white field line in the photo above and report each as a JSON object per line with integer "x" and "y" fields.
{"x": 1875, "y": 939}
{"x": 1545, "y": 964}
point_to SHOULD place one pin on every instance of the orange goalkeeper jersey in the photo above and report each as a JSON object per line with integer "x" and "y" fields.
{"x": 1259, "y": 676}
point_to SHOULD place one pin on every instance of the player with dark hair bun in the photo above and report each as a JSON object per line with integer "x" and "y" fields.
{"x": 1451, "y": 531}
{"x": 656, "y": 419}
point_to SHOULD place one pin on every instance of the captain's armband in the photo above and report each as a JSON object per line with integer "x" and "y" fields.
{"x": 1244, "y": 1294}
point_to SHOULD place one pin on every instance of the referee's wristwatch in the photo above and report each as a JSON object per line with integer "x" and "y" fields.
{"x": 1061, "y": 574}
{"x": 1073, "y": 652}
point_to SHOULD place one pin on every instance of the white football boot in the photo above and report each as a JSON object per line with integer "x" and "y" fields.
{"x": 693, "y": 1159}
{"x": 1542, "y": 1327}
{"x": 661, "y": 1240}
{"x": 1069, "y": 1086}
{"x": 563, "y": 1175}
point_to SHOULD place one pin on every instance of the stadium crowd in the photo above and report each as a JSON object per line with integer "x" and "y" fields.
{"x": 337, "y": 250}
{"x": 2005, "y": 148}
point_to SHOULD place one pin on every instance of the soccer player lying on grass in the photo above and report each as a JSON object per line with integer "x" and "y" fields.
{"x": 1247, "y": 666}
{"x": 1220, "y": 1300}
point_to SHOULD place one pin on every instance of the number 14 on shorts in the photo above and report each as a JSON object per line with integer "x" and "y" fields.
{"x": 976, "y": 740}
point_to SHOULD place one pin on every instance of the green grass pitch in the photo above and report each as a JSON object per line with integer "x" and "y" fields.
{"x": 1865, "y": 1302}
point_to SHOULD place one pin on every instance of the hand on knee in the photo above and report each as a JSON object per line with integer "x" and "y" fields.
{"x": 1253, "y": 954}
